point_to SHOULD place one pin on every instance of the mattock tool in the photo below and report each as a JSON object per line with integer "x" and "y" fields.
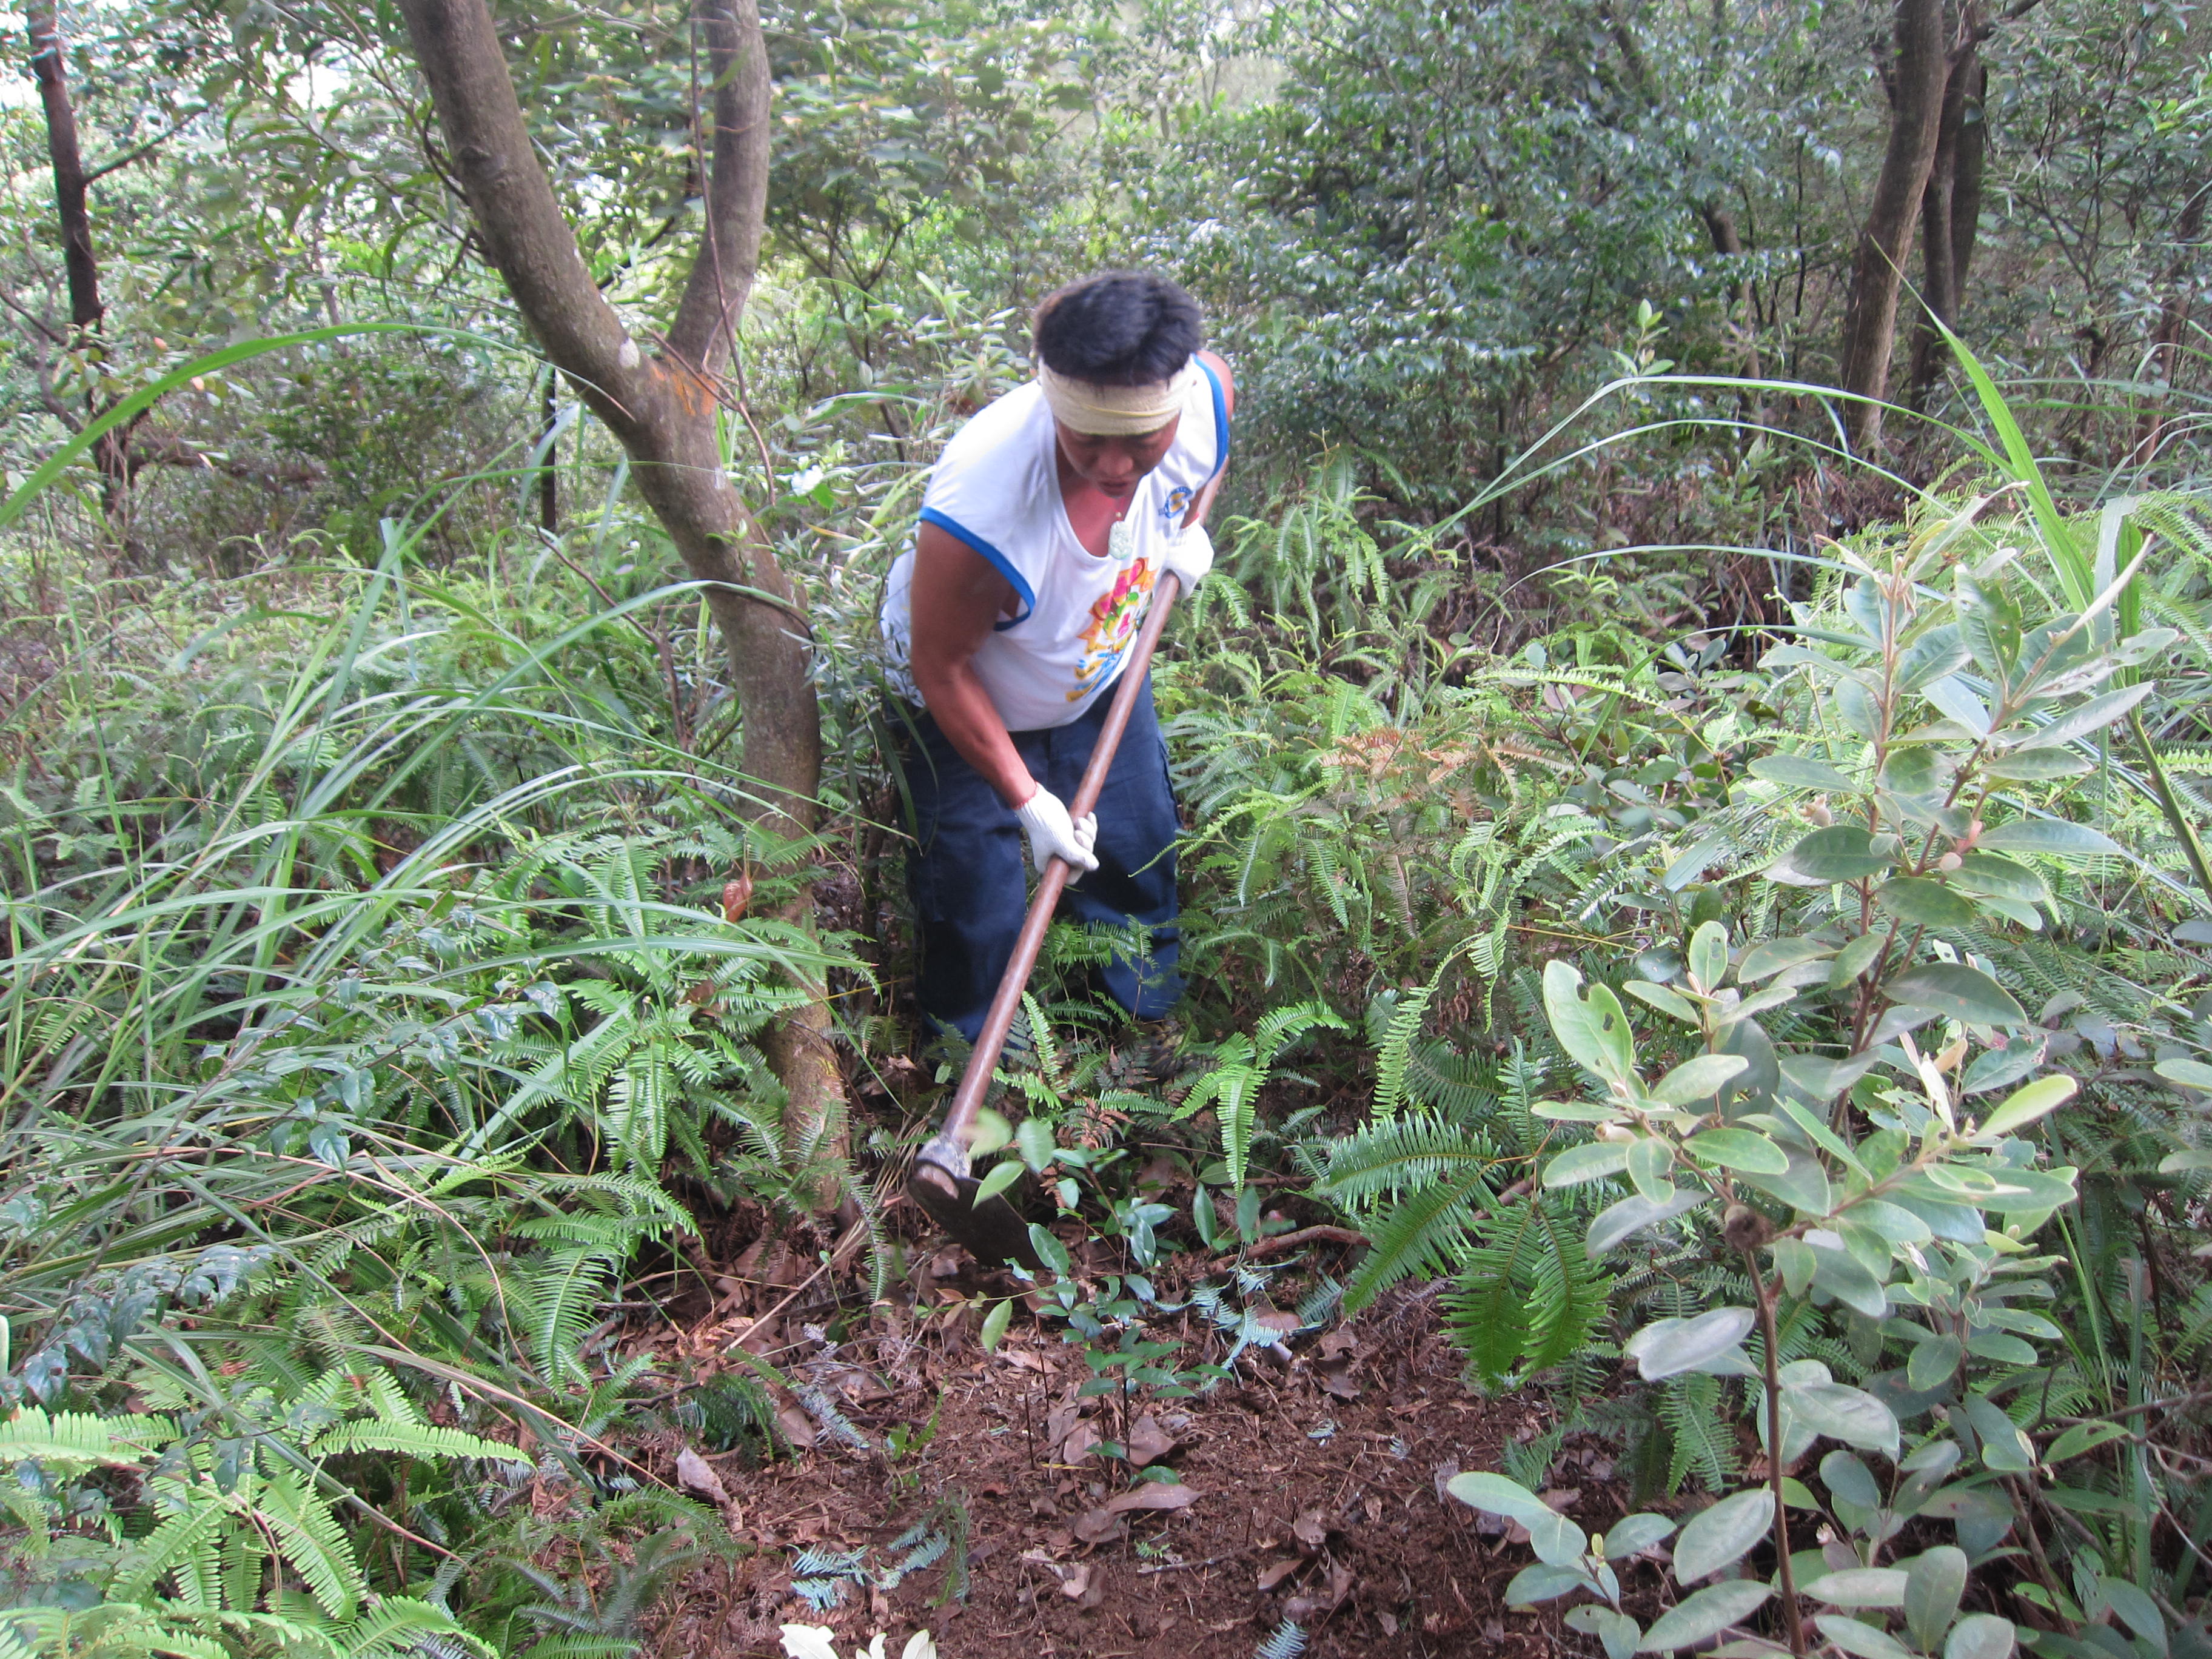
{"x": 942, "y": 1183}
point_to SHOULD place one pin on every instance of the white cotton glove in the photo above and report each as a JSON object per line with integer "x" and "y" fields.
{"x": 1189, "y": 557}
{"x": 1052, "y": 834}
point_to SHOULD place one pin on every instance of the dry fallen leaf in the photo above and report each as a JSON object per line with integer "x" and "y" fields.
{"x": 1148, "y": 1441}
{"x": 696, "y": 1474}
{"x": 1153, "y": 1495}
{"x": 1081, "y": 1441}
{"x": 737, "y": 895}
{"x": 1271, "y": 1577}
{"x": 1310, "y": 1529}
{"x": 1075, "y": 1580}
{"x": 797, "y": 1428}
{"x": 1098, "y": 1526}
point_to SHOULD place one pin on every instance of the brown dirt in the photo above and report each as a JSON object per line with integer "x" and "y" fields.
{"x": 1318, "y": 1478}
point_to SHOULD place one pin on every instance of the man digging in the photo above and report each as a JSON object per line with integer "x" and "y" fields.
{"x": 1044, "y": 529}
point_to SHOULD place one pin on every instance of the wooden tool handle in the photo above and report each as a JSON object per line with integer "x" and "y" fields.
{"x": 983, "y": 1059}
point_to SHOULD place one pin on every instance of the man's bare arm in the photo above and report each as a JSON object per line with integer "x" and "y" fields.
{"x": 955, "y": 597}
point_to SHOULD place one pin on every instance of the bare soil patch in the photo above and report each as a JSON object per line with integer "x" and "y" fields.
{"x": 1316, "y": 1473}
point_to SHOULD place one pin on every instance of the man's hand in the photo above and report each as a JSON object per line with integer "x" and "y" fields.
{"x": 1052, "y": 834}
{"x": 1189, "y": 557}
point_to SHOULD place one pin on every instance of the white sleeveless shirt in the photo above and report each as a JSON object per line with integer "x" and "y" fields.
{"x": 996, "y": 489}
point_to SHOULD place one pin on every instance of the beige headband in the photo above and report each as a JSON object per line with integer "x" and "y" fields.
{"x": 1115, "y": 411}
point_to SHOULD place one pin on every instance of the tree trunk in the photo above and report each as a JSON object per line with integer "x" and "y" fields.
{"x": 1950, "y": 208}
{"x": 1720, "y": 225}
{"x": 2163, "y": 363}
{"x": 661, "y": 405}
{"x": 110, "y": 452}
{"x": 1886, "y": 240}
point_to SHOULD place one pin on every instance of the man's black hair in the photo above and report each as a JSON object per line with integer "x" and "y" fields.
{"x": 1119, "y": 328}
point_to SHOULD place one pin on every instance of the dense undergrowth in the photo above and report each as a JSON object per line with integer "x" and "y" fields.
{"x": 389, "y": 947}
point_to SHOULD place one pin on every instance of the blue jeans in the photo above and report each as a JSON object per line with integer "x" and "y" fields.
{"x": 967, "y": 869}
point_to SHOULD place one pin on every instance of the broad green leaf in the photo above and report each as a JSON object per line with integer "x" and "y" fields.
{"x": 1842, "y": 852}
{"x": 1738, "y": 1148}
{"x": 1590, "y": 1162}
{"x": 1862, "y": 1640}
{"x": 1996, "y": 1068}
{"x": 1033, "y": 1141}
{"x": 2055, "y": 837}
{"x": 1589, "y": 1023}
{"x": 1494, "y": 1494}
{"x": 1635, "y": 1212}
{"x": 1650, "y": 1162}
{"x": 1856, "y": 957}
{"x": 1558, "y": 1541}
{"x": 1049, "y": 1250}
{"x": 997, "y": 1179}
{"x": 1980, "y": 1636}
{"x": 1667, "y": 1346}
{"x": 1801, "y": 772}
{"x": 992, "y": 1131}
{"x": 1850, "y": 1481}
{"x": 1709, "y": 955}
{"x": 2136, "y": 1611}
{"x": 1793, "y": 1260}
{"x": 2024, "y": 1106}
{"x": 1613, "y": 1629}
{"x": 2040, "y": 766}
{"x": 1922, "y": 902}
{"x": 2185, "y": 1162}
{"x": 1803, "y": 1186}
{"x": 1841, "y": 1413}
{"x": 1699, "y": 1078}
{"x": 1769, "y": 957}
{"x": 995, "y": 1322}
{"x": 1714, "y": 1537}
{"x": 1843, "y": 1276}
{"x": 2093, "y": 715}
{"x": 1892, "y": 1221}
{"x": 1633, "y": 1533}
{"x": 1860, "y": 1587}
{"x": 1819, "y": 1078}
{"x": 2189, "y": 1073}
{"x": 1706, "y": 1613}
{"x": 1541, "y": 1583}
{"x": 2005, "y": 1450}
{"x": 1934, "y": 1363}
{"x": 1936, "y": 654}
{"x": 1672, "y": 1004}
{"x": 1960, "y": 993}
{"x": 1934, "y": 1581}
{"x": 1994, "y": 873}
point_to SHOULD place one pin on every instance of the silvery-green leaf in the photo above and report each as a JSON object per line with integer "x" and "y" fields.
{"x": 1803, "y": 772}
{"x": 1803, "y": 1186}
{"x": 1980, "y": 1636}
{"x": 2005, "y": 1450}
{"x": 1541, "y": 1583}
{"x": 1860, "y": 1587}
{"x": 1666, "y": 1347}
{"x": 1863, "y": 1640}
{"x": 1651, "y": 1161}
{"x": 2024, "y": 1106}
{"x": 1633, "y": 1533}
{"x": 1714, "y": 1537}
{"x": 1763, "y": 960}
{"x": 1633, "y": 1214}
{"x": 1494, "y": 1494}
{"x": 1672, "y": 1004}
{"x": 1699, "y": 1078}
{"x": 1708, "y": 1612}
{"x": 1842, "y": 852}
{"x": 2099, "y": 712}
{"x": 1709, "y": 955}
{"x": 1589, "y": 1024}
{"x": 1850, "y": 1480}
{"x": 1618, "y": 1633}
{"x": 2189, "y": 1073}
{"x": 1961, "y": 993}
{"x": 1934, "y": 1363}
{"x": 1738, "y": 1148}
{"x": 1846, "y": 1278}
{"x": 1591, "y": 1162}
{"x": 1923, "y": 901}
{"x": 1850, "y": 1415}
{"x": 1933, "y": 1581}
{"x": 1556, "y": 1540}
{"x": 2136, "y": 1611}
{"x": 2053, "y": 836}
